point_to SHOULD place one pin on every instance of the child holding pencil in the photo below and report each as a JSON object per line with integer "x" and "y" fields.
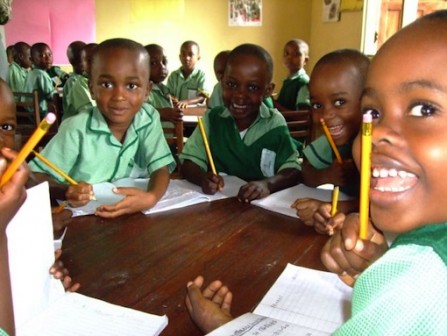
{"x": 335, "y": 86}
{"x": 246, "y": 138}
{"x": 121, "y": 137}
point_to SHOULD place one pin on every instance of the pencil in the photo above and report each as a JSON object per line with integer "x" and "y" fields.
{"x": 365, "y": 174}
{"x": 330, "y": 140}
{"x": 203, "y": 93}
{"x": 207, "y": 147}
{"x": 56, "y": 169}
{"x": 40, "y": 131}
{"x": 335, "y": 194}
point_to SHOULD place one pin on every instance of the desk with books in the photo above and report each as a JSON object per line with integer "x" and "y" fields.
{"x": 144, "y": 262}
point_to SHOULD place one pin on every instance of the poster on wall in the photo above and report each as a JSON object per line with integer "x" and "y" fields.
{"x": 331, "y": 10}
{"x": 245, "y": 12}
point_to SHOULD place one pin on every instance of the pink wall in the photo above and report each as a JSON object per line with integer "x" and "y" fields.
{"x": 55, "y": 22}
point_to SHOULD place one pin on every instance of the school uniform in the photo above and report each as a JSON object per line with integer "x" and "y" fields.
{"x": 159, "y": 98}
{"x": 85, "y": 148}
{"x": 38, "y": 79}
{"x": 186, "y": 88}
{"x": 16, "y": 77}
{"x": 294, "y": 90}
{"x": 79, "y": 98}
{"x": 405, "y": 291}
{"x": 67, "y": 87}
{"x": 261, "y": 151}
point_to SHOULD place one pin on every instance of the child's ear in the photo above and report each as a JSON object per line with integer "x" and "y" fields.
{"x": 306, "y": 59}
{"x": 269, "y": 90}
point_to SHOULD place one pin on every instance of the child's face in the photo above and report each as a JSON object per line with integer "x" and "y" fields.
{"x": 335, "y": 96}
{"x": 159, "y": 70}
{"x": 119, "y": 83}
{"x": 245, "y": 85}
{"x": 189, "y": 56}
{"x": 293, "y": 57}
{"x": 24, "y": 58}
{"x": 8, "y": 123}
{"x": 409, "y": 136}
{"x": 42, "y": 58}
{"x": 219, "y": 68}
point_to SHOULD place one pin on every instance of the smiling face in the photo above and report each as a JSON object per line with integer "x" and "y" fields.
{"x": 294, "y": 57}
{"x": 8, "y": 123}
{"x": 409, "y": 155}
{"x": 120, "y": 84}
{"x": 335, "y": 90}
{"x": 245, "y": 84}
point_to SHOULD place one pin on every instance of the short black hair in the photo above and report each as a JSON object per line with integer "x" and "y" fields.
{"x": 256, "y": 51}
{"x": 190, "y": 43}
{"x": 36, "y": 47}
{"x": 120, "y": 43}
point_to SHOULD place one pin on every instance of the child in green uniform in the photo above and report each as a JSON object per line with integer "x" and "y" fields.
{"x": 294, "y": 92}
{"x": 38, "y": 78}
{"x": 404, "y": 292}
{"x": 336, "y": 85}
{"x": 246, "y": 138}
{"x": 19, "y": 68}
{"x": 121, "y": 137}
{"x": 186, "y": 82}
{"x": 75, "y": 55}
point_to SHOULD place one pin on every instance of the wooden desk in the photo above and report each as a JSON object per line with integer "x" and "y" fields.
{"x": 190, "y": 115}
{"x": 144, "y": 262}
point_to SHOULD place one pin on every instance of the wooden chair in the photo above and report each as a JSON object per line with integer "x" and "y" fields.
{"x": 300, "y": 124}
{"x": 174, "y": 138}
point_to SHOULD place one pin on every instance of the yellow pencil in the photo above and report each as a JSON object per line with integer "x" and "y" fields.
{"x": 207, "y": 147}
{"x": 335, "y": 194}
{"x": 331, "y": 141}
{"x": 365, "y": 175}
{"x": 40, "y": 131}
{"x": 56, "y": 169}
{"x": 203, "y": 93}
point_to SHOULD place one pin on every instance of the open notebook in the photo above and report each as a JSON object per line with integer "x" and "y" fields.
{"x": 180, "y": 193}
{"x": 282, "y": 200}
{"x": 302, "y": 301}
{"x": 41, "y": 305}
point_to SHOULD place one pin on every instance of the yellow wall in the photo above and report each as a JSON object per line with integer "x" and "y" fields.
{"x": 170, "y": 22}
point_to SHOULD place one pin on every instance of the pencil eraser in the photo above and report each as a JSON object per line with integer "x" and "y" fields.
{"x": 50, "y": 118}
{"x": 367, "y": 117}
{"x": 321, "y": 119}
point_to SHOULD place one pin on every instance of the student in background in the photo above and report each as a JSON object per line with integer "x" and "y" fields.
{"x": 79, "y": 97}
{"x": 294, "y": 92}
{"x": 10, "y": 53}
{"x": 76, "y": 56}
{"x": 219, "y": 68}
{"x": 246, "y": 138}
{"x": 121, "y": 137}
{"x": 336, "y": 85}
{"x": 185, "y": 82}
{"x": 19, "y": 68}
{"x": 38, "y": 78}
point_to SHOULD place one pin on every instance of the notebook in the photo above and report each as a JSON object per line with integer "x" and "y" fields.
{"x": 180, "y": 193}
{"x": 282, "y": 200}
{"x": 41, "y": 305}
{"x": 302, "y": 301}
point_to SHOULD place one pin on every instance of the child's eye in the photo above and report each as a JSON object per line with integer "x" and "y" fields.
{"x": 231, "y": 85}
{"x": 253, "y": 88}
{"x": 106, "y": 85}
{"x": 7, "y": 127}
{"x": 315, "y": 106}
{"x": 132, "y": 86}
{"x": 422, "y": 110}
{"x": 339, "y": 102}
{"x": 374, "y": 113}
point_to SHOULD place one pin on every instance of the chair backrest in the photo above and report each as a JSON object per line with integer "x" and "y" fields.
{"x": 300, "y": 124}
{"x": 174, "y": 138}
{"x": 27, "y": 107}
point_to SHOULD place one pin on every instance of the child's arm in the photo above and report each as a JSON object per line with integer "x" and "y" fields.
{"x": 336, "y": 173}
{"x": 258, "y": 189}
{"x": 136, "y": 199}
{"x": 170, "y": 114}
{"x": 186, "y": 102}
{"x": 209, "y": 182}
{"x": 346, "y": 254}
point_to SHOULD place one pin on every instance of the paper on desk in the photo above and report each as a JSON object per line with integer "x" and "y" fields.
{"x": 41, "y": 306}
{"x": 302, "y": 301}
{"x": 180, "y": 193}
{"x": 282, "y": 200}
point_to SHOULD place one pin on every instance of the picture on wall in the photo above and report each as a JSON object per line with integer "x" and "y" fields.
{"x": 245, "y": 12}
{"x": 331, "y": 10}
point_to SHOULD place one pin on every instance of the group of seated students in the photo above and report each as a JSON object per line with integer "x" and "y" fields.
{"x": 399, "y": 289}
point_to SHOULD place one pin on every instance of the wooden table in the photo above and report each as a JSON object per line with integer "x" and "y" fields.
{"x": 144, "y": 262}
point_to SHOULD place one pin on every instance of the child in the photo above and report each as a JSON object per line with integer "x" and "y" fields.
{"x": 246, "y": 138}
{"x": 404, "y": 292}
{"x": 38, "y": 78}
{"x": 336, "y": 85}
{"x": 219, "y": 68}
{"x": 10, "y": 53}
{"x": 294, "y": 92}
{"x": 19, "y": 68}
{"x": 121, "y": 137}
{"x": 75, "y": 55}
{"x": 185, "y": 82}
{"x": 79, "y": 96}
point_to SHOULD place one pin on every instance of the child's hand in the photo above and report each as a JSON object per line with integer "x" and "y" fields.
{"x": 61, "y": 219}
{"x": 305, "y": 209}
{"x": 253, "y": 190}
{"x": 80, "y": 194}
{"x": 346, "y": 254}
{"x": 13, "y": 193}
{"x": 60, "y": 272}
{"x": 324, "y": 223}
{"x": 171, "y": 114}
{"x": 135, "y": 200}
{"x": 211, "y": 183}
